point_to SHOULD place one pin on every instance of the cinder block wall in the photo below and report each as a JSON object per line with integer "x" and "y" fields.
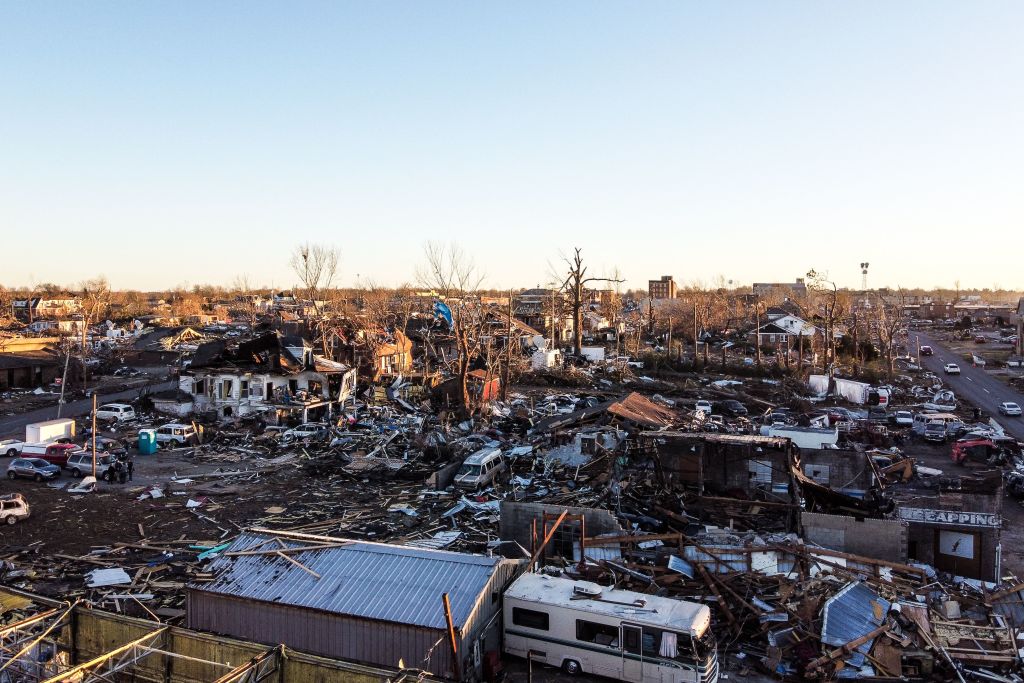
{"x": 881, "y": 539}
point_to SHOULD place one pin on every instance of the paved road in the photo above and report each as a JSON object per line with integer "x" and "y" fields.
{"x": 973, "y": 384}
{"x": 13, "y": 426}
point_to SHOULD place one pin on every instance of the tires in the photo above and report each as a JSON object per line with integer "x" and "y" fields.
{"x": 38, "y": 477}
{"x": 12, "y": 476}
{"x": 76, "y": 473}
{"x": 11, "y": 520}
{"x": 12, "y": 452}
{"x": 174, "y": 443}
{"x": 571, "y": 667}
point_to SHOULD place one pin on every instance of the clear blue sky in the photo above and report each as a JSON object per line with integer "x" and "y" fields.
{"x": 175, "y": 143}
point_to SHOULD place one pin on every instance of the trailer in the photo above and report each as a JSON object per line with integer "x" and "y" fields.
{"x": 50, "y": 430}
{"x": 582, "y": 627}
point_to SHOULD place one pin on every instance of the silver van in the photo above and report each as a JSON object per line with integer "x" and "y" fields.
{"x": 951, "y": 423}
{"x": 480, "y": 469}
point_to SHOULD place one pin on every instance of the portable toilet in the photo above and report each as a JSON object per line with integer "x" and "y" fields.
{"x": 147, "y": 441}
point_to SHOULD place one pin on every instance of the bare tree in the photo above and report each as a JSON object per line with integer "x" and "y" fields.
{"x": 247, "y": 301}
{"x": 316, "y": 266}
{"x": 888, "y": 325}
{"x": 575, "y": 284}
{"x": 831, "y": 307}
{"x": 95, "y": 303}
{"x": 454, "y": 276}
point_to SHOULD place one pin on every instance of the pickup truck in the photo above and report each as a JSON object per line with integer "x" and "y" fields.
{"x": 53, "y": 453}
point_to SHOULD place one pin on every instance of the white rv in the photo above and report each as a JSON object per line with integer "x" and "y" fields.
{"x": 585, "y": 628}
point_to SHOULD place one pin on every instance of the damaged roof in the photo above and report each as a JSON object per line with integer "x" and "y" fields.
{"x": 361, "y": 579}
{"x": 643, "y": 411}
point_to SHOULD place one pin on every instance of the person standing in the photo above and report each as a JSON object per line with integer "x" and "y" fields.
{"x": 131, "y": 467}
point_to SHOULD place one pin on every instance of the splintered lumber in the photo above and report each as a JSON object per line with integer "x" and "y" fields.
{"x": 846, "y": 649}
{"x": 721, "y": 600}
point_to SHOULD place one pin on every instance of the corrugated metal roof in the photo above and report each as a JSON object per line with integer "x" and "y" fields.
{"x": 854, "y": 611}
{"x": 369, "y": 580}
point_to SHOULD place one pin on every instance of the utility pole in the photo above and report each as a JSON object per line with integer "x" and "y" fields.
{"x": 64, "y": 380}
{"x": 669, "y": 345}
{"x": 694, "y": 334}
{"x": 757, "y": 330}
{"x": 94, "y": 435}
{"x": 508, "y": 351}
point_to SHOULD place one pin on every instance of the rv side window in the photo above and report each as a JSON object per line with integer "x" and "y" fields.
{"x": 602, "y": 634}
{"x": 530, "y": 618}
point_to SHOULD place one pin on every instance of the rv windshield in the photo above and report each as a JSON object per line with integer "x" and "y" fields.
{"x": 469, "y": 470}
{"x": 704, "y": 645}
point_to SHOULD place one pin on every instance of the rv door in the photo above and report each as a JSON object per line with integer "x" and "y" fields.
{"x": 632, "y": 653}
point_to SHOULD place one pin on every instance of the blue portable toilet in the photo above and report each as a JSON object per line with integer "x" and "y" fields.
{"x": 147, "y": 441}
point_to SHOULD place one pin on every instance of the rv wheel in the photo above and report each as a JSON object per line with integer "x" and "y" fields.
{"x": 12, "y": 519}
{"x": 572, "y": 667}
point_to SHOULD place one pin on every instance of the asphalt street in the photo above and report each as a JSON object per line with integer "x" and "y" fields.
{"x": 974, "y": 384}
{"x": 13, "y": 426}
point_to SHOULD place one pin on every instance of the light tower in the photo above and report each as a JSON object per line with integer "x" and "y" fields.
{"x": 864, "y": 276}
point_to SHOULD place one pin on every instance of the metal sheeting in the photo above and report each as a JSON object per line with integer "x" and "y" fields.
{"x": 854, "y": 611}
{"x": 367, "y": 580}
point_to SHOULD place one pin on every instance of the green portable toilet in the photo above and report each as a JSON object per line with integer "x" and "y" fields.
{"x": 147, "y": 441}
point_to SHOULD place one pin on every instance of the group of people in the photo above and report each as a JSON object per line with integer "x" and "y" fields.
{"x": 120, "y": 470}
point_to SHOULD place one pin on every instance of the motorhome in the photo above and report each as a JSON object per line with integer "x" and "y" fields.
{"x": 582, "y": 627}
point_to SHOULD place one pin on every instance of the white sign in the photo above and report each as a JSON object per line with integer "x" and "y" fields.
{"x": 957, "y": 517}
{"x": 956, "y": 544}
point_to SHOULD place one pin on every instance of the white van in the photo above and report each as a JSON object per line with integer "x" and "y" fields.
{"x": 951, "y": 422}
{"x": 581, "y": 627}
{"x": 480, "y": 469}
{"x": 115, "y": 411}
{"x": 175, "y": 435}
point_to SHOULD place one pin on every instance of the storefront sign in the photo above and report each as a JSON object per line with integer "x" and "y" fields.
{"x": 955, "y": 517}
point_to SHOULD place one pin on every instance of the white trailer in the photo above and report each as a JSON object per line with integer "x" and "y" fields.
{"x": 593, "y": 353}
{"x": 50, "y": 430}
{"x": 585, "y": 628}
{"x": 804, "y": 437}
{"x": 851, "y": 390}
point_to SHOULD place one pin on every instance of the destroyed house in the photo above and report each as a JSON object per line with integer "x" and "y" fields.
{"x": 367, "y": 602}
{"x": 737, "y": 465}
{"x": 28, "y": 369}
{"x": 277, "y": 376}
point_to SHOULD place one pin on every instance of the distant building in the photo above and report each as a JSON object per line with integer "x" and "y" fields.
{"x": 665, "y": 288}
{"x": 763, "y": 288}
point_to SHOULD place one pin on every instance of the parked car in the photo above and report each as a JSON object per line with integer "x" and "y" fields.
{"x": 1009, "y": 408}
{"x": 308, "y": 430}
{"x": 81, "y": 463}
{"x": 903, "y": 418}
{"x": 32, "y": 468}
{"x": 13, "y": 508}
{"x": 951, "y": 369}
{"x": 703, "y": 407}
{"x": 926, "y": 350}
{"x": 115, "y": 411}
{"x": 733, "y": 407}
{"x": 980, "y": 339}
{"x": 877, "y": 414}
{"x": 175, "y": 435}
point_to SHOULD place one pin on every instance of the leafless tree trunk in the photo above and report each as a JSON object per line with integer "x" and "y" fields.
{"x": 575, "y": 283}
{"x": 454, "y": 276}
{"x": 316, "y": 266}
{"x": 95, "y": 301}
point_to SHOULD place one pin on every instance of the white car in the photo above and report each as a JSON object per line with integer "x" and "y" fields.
{"x": 703, "y": 407}
{"x": 1009, "y": 408}
{"x": 115, "y": 411}
{"x": 13, "y": 508}
{"x": 903, "y": 418}
{"x": 951, "y": 369}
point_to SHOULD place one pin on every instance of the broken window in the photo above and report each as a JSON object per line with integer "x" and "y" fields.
{"x": 243, "y": 388}
{"x": 530, "y": 618}
{"x": 592, "y": 632}
{"x": 760, "y": 472}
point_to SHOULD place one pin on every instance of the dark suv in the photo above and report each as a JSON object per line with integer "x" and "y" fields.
{"x": 733, "y": 407}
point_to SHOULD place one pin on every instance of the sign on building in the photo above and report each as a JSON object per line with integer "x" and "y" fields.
{"x": 957, "y": 517}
